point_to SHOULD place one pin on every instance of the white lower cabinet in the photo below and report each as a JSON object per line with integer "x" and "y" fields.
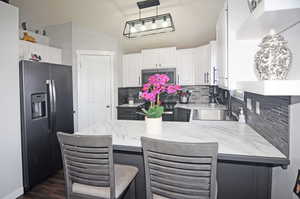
{"x": 132, "y": 70}
{"x": 185, "y": 67}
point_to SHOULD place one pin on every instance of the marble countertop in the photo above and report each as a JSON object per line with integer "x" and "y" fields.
{"x": 201, "y": 106}
{"x": 233, "y": 138}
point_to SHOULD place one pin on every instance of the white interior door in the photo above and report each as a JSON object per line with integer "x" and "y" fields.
{"x": 94, "y": 90}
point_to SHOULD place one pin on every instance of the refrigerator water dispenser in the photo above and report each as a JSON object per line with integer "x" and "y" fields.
{"x": 39, "y": 105}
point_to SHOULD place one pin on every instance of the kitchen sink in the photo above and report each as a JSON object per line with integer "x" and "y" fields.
{"x": 210, "y": 114}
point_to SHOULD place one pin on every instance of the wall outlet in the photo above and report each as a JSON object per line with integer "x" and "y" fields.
{"x": 257, "y": 108}
{"x": 249, "y": 104}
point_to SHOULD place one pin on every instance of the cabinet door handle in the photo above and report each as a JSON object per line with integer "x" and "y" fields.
{"x": 139, "y": 80}
{"x": 204, "y": 78}
{"x": 207, "y": 76}
{"x": 214, "y": 75}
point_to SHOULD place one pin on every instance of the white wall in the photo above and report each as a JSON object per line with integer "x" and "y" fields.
{"x": 277, "y": 4}
{"x": 61, "y": 37}
{"x": 292, "y": 37}
{"x": 240, "y": 52}
{"x": 86, "y": 39}
{"x": 284, "y": 180}
{"x": 71, "y": 37}
{"x": 33, "y": 12}
{"x": 241, "y": 59}
{"x": 86, "y": 32}
{"x": 241, "y": 68}
{"x": 10, "y": 134}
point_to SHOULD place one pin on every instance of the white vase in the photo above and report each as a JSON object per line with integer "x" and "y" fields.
{"x": 153, "y": 126}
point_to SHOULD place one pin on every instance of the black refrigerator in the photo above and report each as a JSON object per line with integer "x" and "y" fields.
{"x": 46, "y": 108}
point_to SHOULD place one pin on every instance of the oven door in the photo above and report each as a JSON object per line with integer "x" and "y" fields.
{"x": 170, "y": 72}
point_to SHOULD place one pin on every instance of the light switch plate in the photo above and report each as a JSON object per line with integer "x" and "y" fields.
{"x": 257, "y": 108}
{"x": 249, "y": 104}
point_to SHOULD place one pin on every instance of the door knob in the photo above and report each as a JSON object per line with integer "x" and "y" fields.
{"x": 107, "y": 106}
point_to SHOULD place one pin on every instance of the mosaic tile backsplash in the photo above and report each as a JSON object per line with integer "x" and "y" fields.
{"x": 270, "y": 119}
{"x": 200, "y": 94}
{"x": 236, "y": 104}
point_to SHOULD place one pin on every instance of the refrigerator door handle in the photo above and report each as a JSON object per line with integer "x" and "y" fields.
{"x": 53, "y": 107}
{"x": 50, "y": 104}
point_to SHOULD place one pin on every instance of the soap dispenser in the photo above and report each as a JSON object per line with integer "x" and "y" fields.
{"x": 242, "y": 116}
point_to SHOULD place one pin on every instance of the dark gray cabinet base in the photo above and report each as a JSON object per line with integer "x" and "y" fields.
{"x": 182, "y": 115}
{"x": 129, "y": 113}
{"x": 236, "y": 180}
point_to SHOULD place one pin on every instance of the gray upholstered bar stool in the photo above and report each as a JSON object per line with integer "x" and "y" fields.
{"x": 89, "y": 169}
{"x": 177, "y": 170}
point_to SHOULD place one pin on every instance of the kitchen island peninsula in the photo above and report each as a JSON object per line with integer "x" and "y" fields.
{"x": 245, "y": 159}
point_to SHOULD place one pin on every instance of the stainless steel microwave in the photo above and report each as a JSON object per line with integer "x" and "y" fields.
{"x": 171, "y": 72}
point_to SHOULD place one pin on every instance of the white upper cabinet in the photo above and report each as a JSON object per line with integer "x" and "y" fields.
{"x": 47, "y": 53}
{"x": 167, "y": 58}
{"x": 202, "y": 64}
{"x": 194, "y": 66}
{"x": 222, "y": 47}
{"x": 185, "y": 67}
{"x": 235, "y": 57}
{"x": 205, "y": 62}
{"x": 150, "y": 59}
{"x": 132, "y": 70}
{"x": 159, "y": 58}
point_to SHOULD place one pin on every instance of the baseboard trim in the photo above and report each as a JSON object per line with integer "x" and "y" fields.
{"x": 16, "y": 193}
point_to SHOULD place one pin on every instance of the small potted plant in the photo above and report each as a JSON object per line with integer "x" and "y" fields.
{"x": 157, "y": 84}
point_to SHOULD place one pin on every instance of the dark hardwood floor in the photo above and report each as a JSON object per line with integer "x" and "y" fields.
{"x": 53, "y": 188}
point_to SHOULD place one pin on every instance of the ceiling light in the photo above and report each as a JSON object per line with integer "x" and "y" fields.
{"x": 150, "y": 25}
{"x": 165, "y": 23}
{"x": 153, "y": 26}
{"x": 133, "y": 29}
{"x": 143, "y": 27}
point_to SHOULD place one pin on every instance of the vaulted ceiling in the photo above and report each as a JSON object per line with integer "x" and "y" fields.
{"x": 194, "y": 20}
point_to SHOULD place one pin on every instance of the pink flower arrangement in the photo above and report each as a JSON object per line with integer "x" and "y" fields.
{"x": 156, "y": 85}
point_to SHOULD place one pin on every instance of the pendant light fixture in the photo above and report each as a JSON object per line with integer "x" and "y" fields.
{"x": 150, "y": 25}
